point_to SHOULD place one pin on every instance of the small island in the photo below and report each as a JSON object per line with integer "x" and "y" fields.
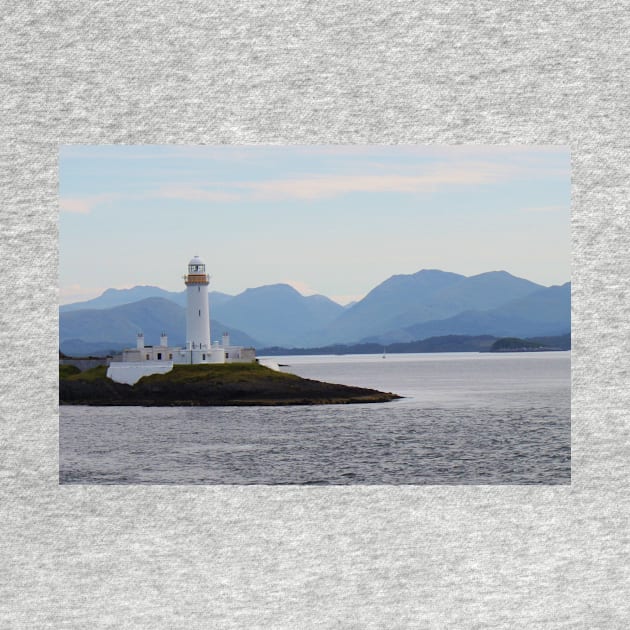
{"x": 229, "y": 384}
{"x": 544, "y": 344}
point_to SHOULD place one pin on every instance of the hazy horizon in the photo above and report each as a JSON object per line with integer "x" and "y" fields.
{"x": 331, "y": 220}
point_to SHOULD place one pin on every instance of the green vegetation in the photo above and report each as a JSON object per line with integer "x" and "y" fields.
{"x": 92, "y": 374}
{"x": 68, "y": 370}
{"x": 532, "y": 344}
{"x": 219, "y": 373}
{"x": 507, "y": 344}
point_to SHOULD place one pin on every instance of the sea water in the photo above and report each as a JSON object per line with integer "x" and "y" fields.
{"x": 466, "y": 418}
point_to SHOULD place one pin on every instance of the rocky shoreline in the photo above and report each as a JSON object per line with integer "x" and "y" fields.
{"x": 211, "y": 385}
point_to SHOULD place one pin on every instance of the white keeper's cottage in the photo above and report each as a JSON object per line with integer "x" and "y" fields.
{"x": 144, "y": 360}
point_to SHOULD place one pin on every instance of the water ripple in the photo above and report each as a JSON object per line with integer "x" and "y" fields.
{"x": 518, "y": 435}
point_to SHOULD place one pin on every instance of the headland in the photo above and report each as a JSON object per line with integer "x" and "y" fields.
{"x": 229, "y": 384}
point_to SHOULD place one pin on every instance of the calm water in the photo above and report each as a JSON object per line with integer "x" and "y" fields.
{"x": 467, "y": 419}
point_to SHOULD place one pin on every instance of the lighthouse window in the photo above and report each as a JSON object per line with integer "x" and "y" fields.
{"x": 199, "y": 312}
{"x": 198, "y": 289}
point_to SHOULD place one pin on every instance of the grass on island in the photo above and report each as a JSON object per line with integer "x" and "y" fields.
{"x": 219, "y": 373}
{"x": 515, "y": 343}
{"x": 68, "y": 370}
{"x": 72, "y": 373}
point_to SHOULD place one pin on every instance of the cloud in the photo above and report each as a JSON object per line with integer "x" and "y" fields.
{"x": 509, "y": 163}
{"x": 325, "y": 186}
{"x": 85, "y": 204}
{"x": 75, "y": 204}
{"x": 311, "y": 187}
{"x": 192, "y": 193}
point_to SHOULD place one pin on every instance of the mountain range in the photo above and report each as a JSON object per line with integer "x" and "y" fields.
{"x": 117, "y": 297}
{"x": 403, "y": 308}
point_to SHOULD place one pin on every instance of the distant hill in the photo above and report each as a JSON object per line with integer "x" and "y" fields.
{"x": 546, "y": 311}
{"x": 515, "y": 344}
{"x": 549, "y": 305}
{"x": 79, "y": 348}
{"x": 118, "y": 297}
{"x": 95, "y": 330}
{"x": 483, "y": 291}
{"x": 122, "y": 323}
{"x": 392, "y": 297}
{"x": 277, "y": 313}
{"x": 427, "y": 295}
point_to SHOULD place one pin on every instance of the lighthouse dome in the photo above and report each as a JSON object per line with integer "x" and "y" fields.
{"x": 195, "y": 260}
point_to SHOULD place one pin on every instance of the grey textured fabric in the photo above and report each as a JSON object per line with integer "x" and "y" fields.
{"x": 310, "y": 73}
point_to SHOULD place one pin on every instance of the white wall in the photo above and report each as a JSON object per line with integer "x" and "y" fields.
{"x": 197, "y": 316}
{"x": 130, "y": 373}
{"x": 166, "y": 353}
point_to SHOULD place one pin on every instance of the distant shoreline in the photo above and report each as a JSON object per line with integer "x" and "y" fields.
{"x": 446, "y": 343}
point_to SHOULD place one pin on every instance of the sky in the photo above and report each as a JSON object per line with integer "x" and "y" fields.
{"x": 335, "y": 220}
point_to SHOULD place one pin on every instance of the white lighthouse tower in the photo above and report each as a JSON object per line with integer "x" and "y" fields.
{"x": 197, "y": 311}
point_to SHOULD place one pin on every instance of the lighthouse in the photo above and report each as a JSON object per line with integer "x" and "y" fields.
{"x": 144, "y": 360}
{"x": 197, "y": 309}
